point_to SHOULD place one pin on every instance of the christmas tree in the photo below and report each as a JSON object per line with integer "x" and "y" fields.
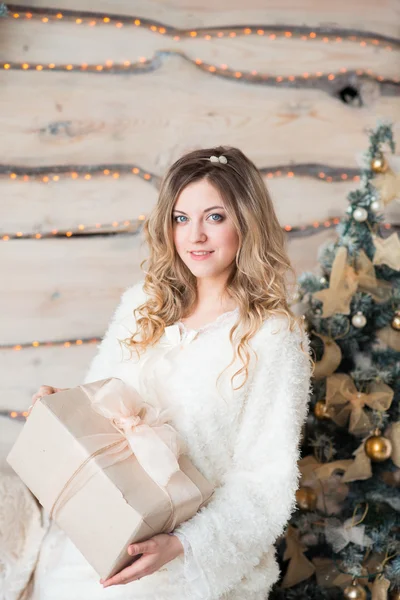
{"x": 343, "y": 540}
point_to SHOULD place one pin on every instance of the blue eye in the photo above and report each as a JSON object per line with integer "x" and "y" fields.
{"x": 221, "y": 218}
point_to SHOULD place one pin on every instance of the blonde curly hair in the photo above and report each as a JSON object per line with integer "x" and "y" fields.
{"x": 258, "y": 280}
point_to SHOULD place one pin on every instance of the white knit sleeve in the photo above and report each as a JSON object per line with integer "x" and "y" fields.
{"x": 193, "y": 573}
{"x": 250, "y": 509}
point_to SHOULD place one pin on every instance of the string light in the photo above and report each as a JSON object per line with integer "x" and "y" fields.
{"x": 49, "y": 175}
{"x": 273, "y": 32}
{"x": 253, "y": 76}
{"x": 14, "y": 414}
{"x": 64, "y": 343}
{"x": 64, "y": 173}
{"x": 132, "y": 226}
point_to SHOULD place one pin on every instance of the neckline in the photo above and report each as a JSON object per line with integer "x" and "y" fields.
{"x": 222, "y": 317}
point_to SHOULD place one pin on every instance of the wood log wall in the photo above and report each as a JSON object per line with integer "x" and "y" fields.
{"x": 94, "y": 107}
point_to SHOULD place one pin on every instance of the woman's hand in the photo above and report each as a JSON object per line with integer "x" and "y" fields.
{"x": 44, "y": 390}
{"x": 157, "y": 551}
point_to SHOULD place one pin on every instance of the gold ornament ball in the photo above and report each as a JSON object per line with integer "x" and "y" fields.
{"x": 355, "y": 591}
{"x": 306, "y": 498}
{"x": 378, "y": 448}
{"x": 379, "y": 164}
{"x": 396, "y": 321}
{"x": 321, "y": 410}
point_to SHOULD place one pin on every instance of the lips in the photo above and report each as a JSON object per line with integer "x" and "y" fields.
{"x": 201, "y": 256}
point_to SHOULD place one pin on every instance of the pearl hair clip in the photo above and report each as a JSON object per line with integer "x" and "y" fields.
{"x": 221, "y": 159}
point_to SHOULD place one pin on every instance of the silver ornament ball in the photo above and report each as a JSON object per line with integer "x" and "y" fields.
{"x": 360, "y": 214}
{"x": 359, "y": 320}
{"x": 375, "y": 206}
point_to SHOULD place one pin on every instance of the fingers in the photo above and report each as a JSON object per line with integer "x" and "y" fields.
{"x": 142, "y": 567}
{"x": 131, "y": 573}
{"x": 143, "y": 547}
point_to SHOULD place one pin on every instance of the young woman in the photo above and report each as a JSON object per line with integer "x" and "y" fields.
{"x": 209, "y": 334}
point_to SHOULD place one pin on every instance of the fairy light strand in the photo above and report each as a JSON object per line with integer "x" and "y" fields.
{"x": 55, "y": 174}
{"x": 51, "y": 344}
{"x": 318, "y": 79}
{"x": 92, "y": 19}
{"x": 128, "y": 226}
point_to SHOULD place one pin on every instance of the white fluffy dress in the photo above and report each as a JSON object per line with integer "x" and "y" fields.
{"x": 245, "y": 442}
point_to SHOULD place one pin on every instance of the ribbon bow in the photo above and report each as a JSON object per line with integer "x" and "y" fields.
{"x": 330, "y": 573}
{"x": 360, "y": 467}
{"x": 379, "y": 289}
{"x": 344, "y": 400}
{"x": 152, "y": 440}
{"x": 345, "y": 280}
{"x": 141, "y": 429}
{"x": 339, "y": 534}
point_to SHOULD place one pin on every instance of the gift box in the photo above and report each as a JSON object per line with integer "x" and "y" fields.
{"x": 109, "y": 468}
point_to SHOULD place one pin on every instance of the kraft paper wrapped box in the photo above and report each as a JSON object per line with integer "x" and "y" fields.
{"x": 108, "y": 468}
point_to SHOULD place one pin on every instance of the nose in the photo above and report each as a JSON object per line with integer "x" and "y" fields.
{"x": 196, "y": 232}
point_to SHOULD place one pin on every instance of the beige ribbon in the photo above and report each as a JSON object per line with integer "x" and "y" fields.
{"x": 388, "y": 184}
{"x": 392, "y": 432}
{"x": 345, "y": 280}
{"x": 379, "y": 588}
{"x": 299, "y": 568}
{"x": 360, "y": 467}
{"x": 142, "y": 430}
{"x": 329, "y": 574}
{"x": 342, "y": 286}
{"x": 327, "y": 485}
{"x": 379, "y": 289}
{"x": 331, "y": 357}
{"x": 344, "y": 400}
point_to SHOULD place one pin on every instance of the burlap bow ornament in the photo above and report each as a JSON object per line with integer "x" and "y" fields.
{"x": 360, "y": 467}
{"x": 379, "y": 289}
{"x": 331, "y": 357}
{"x": 299, "y": 567}
{"x": 346, "y": 279}
{"x": 329, "y": 573}
{"x": 339, "y": 534}
{"x": 329, "y": 488}
{"x": 379, "y": 588}
{"x": 346, "y": 404}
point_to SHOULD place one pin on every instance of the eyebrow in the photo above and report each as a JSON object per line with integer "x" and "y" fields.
{"x": 206, "y": 210}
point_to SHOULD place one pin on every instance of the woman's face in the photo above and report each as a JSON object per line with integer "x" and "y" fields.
{"x": 200, "y": 223}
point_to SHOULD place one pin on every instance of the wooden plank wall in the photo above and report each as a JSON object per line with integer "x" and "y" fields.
{"x": 95, "y": 106}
